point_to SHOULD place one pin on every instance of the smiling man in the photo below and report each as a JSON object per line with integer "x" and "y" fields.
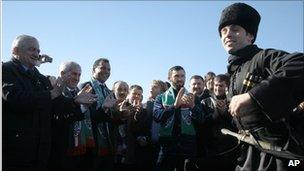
{"x": 68, "y": 145}
{"x": 197, "y": 86}
{"x": 219, "y": 151}
{"x": 98, "y": 118}
{"x": 266, "y": 84}
{"x": 175, "y": 110}
{"x": 29, "y": 102}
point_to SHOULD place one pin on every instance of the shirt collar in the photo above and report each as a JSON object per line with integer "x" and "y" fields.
{"x": 24, "y": 67}
{"x": 71, "y": 89}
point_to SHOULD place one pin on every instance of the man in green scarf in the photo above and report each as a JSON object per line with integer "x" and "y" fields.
{"x": 175, "y": 110}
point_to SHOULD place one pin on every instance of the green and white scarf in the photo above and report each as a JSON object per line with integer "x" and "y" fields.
{"x": 103, "y": 128}
{"x": 99, "y": 92}
{"x": 168, "y": 99}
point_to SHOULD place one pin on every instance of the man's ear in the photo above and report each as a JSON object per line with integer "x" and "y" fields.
{"x": 250, "y": 37}
{"x": 62, "y": 73}
{"x": 169, "y": 76}
{"x": 15, "y": 51}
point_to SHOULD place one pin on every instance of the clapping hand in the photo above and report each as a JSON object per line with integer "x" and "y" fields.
{"x": 301, "y": 106}
{"x": 188, "y": 100}
{"x": 142, "y": 141}
{"x": 109, "y": 101}
{"x": 85, "y": 96}
{"x": 184, "y": 99}
{"x": 178, "y": 100}
{"x": 123, "y": 106}
{"x": 137, "y": 105}
{"x": 222, "y": 105}
{"x": 58, "y": 84}
{"x": 124, "y": 109}
{"x": 53, "y": 80}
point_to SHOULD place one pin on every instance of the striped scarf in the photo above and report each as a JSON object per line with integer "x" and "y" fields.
{"x": 103, "y": 128}
{"x": 168, "y": 99}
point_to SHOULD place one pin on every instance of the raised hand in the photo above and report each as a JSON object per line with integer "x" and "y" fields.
{"x": 137, "y": 105}
{"x": 62, "y": 81}
{"x": 124, "y": 109}
{"x": 301, "y": 106}
{"x": 178, "y": 100}
{"x": 58, "y": 84}
{"x": 53, "y": 80}
{"x": 85, "y": 96}
{"x": 109, "y": 101}
{"x": 222, "y": 104}
{"x": 142, "y": 141}
{"x": 188, "y": 100}
{"x": 123, "y": 106}
{"x": 136, "y": 108}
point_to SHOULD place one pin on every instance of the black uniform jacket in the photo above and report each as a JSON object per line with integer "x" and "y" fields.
{"x": 274, "y": 79}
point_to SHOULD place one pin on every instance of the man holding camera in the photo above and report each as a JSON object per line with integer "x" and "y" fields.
{"x": 29, "y": 101}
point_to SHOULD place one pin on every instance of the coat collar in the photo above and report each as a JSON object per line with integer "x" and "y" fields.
{"x": 241, "y": 56}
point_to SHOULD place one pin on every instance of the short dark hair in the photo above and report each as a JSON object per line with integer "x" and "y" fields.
{"x": 197, "y": 77}
{"x": 221, "y": 78}
{"x": 96, "y": 63}
{"x": 168, "y": 84}
{"x": 175, "y": 68}
{"x": 209, "y": 75}
{"x": 135, "y": 86}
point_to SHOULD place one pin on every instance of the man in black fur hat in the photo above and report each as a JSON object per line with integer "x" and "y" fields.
{"x": 266, "y": 85}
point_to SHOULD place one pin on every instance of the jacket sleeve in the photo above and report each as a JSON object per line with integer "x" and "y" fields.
{"x": 97, "y": 115}
{"x": 66, "y": 110}
{"x": 142, "y": 126}
{"x": 197, "y": 112}
{"x": 100, "y": 115}
{"x": 283, "y": 89}
{"x": 14, "y": 94}
{"x": 160, "y": 113}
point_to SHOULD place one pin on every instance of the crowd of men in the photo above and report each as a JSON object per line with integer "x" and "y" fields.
{"x": 54, "y": 123}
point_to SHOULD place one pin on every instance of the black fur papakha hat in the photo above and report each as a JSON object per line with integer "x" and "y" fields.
{"x": 243, "y": 15}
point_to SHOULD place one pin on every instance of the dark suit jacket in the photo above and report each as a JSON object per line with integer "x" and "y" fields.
{"x": 27, "y": 110}
{"x": 62, "y": 134}
{"x": 97, "y": 115}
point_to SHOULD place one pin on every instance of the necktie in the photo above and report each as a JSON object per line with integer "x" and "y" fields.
{"x": 73, "y": 93}
{"x": 103, "y": 90}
